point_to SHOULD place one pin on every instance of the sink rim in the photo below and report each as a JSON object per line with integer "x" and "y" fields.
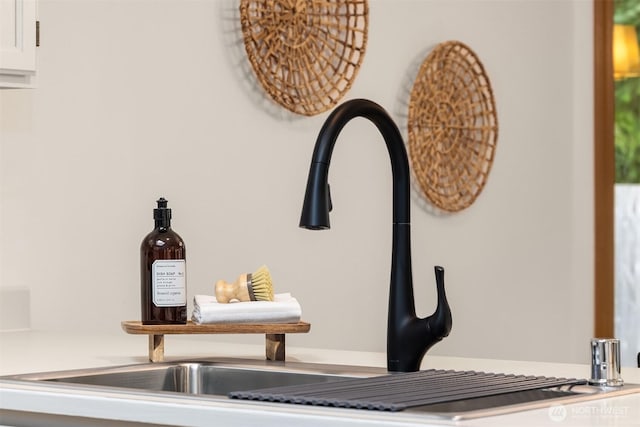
{"x": 43, "y": 379}
{"x": 292, "y": 367}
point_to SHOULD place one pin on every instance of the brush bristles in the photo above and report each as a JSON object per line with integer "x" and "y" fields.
{"x": 261, "y": 286}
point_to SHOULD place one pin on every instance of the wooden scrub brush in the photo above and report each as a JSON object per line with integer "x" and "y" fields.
{"x": 255, "y": 286}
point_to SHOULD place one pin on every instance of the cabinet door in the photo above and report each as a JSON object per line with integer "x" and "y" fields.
{"x": 17, "y": 43}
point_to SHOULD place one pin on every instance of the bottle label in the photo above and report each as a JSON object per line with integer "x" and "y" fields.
{"x": 169, "y": 282}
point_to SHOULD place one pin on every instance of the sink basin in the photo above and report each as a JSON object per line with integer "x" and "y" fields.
{"x": 216, "y": 377}
{"x": 201, "y": 378}
{"x": 219, "y": 378}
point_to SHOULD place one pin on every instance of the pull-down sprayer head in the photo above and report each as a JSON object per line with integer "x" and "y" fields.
{"x": 317, "y": 199}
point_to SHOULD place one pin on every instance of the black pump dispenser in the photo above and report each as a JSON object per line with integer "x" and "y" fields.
{"x": 162, "y": 214}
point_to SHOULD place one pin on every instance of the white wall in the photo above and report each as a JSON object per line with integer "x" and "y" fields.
{"x": 138, "y": 99}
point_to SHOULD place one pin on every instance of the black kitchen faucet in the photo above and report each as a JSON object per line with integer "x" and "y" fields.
{"x": 408, "y": 337}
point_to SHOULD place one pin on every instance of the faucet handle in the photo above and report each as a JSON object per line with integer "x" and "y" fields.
{"x": 440, "y": 322}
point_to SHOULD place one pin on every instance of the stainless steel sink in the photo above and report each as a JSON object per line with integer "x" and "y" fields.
{"x": 193, "y": 377}
{"x": 215, "y": 379}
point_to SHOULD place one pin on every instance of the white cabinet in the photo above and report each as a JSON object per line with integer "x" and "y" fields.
{"x": 17, "y": 43}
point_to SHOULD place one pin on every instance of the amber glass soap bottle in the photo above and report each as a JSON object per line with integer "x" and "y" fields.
{"x": 163, "y": 272}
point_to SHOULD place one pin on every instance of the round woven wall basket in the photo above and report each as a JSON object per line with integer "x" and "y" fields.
{"x": 305, "y": 53}
{"x": 453, "y": 127}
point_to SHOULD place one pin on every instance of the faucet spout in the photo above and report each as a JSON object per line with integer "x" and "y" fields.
{"x": 408, "y": 337}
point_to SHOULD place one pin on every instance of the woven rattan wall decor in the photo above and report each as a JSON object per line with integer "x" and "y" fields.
{"x": 453, "y": 126}
{"x": 305, "y": 53}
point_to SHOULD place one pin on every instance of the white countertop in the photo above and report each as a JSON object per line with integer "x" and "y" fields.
{"x": 39, "y": 351}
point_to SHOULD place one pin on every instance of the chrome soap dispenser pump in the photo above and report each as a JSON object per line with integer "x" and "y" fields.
{"x": 163, "y": 272}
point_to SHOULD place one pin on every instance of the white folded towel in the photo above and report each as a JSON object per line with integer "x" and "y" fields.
{"x": 283, "y": 309}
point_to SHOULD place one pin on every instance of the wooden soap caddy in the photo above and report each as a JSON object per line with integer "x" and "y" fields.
{"x": 274, "y": 332}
